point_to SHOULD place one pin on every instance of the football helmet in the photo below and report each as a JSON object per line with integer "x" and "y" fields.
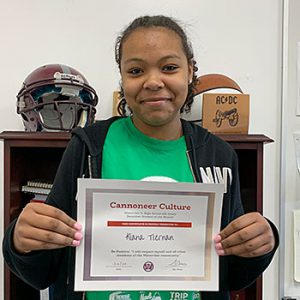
{"x": 56, "y": 97}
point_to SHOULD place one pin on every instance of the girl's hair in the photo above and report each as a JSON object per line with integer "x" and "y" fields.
{"x": 168, "y": 23}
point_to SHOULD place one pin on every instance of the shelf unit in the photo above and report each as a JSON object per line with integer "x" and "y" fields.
{"x": 31, "y": 155}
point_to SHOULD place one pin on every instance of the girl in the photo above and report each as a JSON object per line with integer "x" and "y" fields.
{"x": 157, "y": 71}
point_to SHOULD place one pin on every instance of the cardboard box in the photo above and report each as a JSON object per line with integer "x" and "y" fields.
{"x": 116, "y": 100}
{"x": 226, "y": 113}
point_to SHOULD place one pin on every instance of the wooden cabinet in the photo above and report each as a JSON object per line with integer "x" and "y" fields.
{"x": 26, "y": 156}
{"x": 30, "y": 156}
{"x": 249, "y": 149}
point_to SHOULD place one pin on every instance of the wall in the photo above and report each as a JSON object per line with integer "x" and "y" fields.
{"x": 290, "y": 181}
{"x": 241, "y": 39}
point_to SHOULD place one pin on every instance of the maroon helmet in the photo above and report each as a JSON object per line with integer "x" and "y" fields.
{"x": 56, "y": 97}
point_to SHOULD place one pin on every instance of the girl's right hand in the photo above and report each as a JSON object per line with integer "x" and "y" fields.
{"x": 41, "y": 226}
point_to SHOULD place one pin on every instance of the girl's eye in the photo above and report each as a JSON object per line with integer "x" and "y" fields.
{"x": 135, "y": 71}
{"x": 170, "y": 68}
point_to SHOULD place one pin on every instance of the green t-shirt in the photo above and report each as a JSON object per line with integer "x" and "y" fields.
{"x": 130, "y": 154}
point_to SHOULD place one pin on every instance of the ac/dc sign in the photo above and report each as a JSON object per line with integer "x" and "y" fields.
{"x": 226, "y": 113}
{"x": 223, "y": 99}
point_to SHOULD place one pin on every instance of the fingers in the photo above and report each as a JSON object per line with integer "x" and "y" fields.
{"x": 238, "y": 224}
{"x": 41, "y": 226}
{"x": 52, "y": 212}
{"x": 251, "y": 248}
{"x": 42, "y": 239}
{"x": 248, "y": 236}
{"x": 55, "y": 222}
{"x": 244, "y": 235}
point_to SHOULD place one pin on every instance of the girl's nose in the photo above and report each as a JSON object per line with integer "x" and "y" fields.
{"x": 153, "y": 81}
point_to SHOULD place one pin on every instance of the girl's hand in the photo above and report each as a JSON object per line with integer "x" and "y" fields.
{"x": 42, "y": 226}
{"x": 248, "y": 236}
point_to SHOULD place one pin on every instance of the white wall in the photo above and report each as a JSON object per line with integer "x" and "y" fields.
{"x": 291, "y": 123}
{"x": 241, "y": 39}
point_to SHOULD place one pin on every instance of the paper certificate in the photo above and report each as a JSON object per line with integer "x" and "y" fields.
{"x": 147, "y": 235}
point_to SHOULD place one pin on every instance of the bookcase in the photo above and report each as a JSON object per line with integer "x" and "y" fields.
{"x": 28, "y": 156}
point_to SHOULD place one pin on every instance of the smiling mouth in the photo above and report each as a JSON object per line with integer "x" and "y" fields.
{"x": 155, "y": 100}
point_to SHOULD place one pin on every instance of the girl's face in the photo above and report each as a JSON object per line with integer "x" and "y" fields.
{"x": 155, "y": 76}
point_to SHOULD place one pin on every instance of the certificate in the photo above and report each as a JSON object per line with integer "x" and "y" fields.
{"x": 140, "y": 235}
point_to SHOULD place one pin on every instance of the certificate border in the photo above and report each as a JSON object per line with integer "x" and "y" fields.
{"x": 89, "y": 192}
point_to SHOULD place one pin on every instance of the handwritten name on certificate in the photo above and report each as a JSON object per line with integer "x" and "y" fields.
{"x": 147, "y": 235}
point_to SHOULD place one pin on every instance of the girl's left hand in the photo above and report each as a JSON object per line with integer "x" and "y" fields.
{"x": 250, "y": 235}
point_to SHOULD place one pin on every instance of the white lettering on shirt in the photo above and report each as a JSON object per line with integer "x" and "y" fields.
{"x": 216, "y": 175}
